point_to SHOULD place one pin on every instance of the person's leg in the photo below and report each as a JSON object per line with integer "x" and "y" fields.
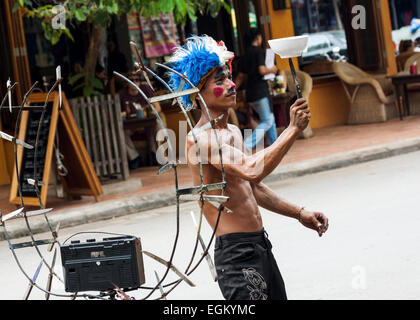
{"x": 239, "y": 271}
{"x": 246, "y": 267}
{"x": 134, "y": 160}
{"x": 276, "y": 287}
{"x": 267, "y": 124}
{"x": 131, "y": 149}
{"x": 272, "y": 134}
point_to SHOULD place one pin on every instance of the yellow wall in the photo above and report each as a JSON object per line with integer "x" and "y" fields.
{"x": 329, "y": 104}
{"x": 281, "y": 27}
{"x": 387, "y": 29}
{"x": 4, "y": 173}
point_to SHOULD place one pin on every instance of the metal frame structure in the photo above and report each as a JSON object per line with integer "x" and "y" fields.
{"x": 189, "y": 193}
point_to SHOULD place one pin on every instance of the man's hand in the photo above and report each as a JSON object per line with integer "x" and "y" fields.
{"x": 300, "y": 114}
{"x": 314, "y": 220}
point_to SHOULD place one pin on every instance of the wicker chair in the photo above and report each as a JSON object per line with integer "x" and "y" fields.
{"x": 305, "y": 82}
{"x": 413, "y": 89}
{"x": 402, "y": 58}
{"x": 372, "y": 98}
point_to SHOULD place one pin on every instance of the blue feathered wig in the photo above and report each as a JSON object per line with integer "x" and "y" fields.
{"x": 196, "y": 59}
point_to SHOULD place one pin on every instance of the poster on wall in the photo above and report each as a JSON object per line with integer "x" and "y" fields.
{"x": 159, "y": 35}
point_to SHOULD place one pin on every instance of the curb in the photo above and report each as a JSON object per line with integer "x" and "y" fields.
{"x": 344, "y": 159}
{"x": 135, "y": 204}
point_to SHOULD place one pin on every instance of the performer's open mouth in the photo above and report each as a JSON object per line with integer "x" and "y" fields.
{"x": 231, "y": 93}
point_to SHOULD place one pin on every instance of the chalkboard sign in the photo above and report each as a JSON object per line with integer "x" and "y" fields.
{"x": 78, "y": 162}
{"x": 26, "y": 161}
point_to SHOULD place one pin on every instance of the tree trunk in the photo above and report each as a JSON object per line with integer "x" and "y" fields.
{"x": 95, "y": 40}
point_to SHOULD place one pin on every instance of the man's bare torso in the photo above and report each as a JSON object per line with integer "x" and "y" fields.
{"x": 245, "y": 216}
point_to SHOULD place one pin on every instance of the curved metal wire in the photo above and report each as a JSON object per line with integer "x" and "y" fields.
{"x": 200, "y": 163}
{"x": 201, "y": 188}
{"x": 3, "y": 223}
{"x": 35, "y": 177}
{"x": 173, "y": 156}
{"x": 198, "y": 154}
{"x": 200, "y": 166}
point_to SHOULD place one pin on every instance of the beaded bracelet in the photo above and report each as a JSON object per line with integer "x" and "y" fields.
{"x": 300, "y": 210}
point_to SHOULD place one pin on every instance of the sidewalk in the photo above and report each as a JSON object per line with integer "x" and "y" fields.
{"x": 329, "y": 148}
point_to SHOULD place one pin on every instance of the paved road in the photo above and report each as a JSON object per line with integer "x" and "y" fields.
{"x": 371, "y": 250}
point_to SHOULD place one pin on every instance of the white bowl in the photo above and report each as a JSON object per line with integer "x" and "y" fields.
{"x": 289, "y": 47}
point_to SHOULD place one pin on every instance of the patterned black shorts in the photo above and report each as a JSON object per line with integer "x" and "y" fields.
{"x": 246, "y": 267}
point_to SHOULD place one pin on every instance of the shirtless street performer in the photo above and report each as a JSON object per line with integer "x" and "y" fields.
{"x": 244, "y": 262}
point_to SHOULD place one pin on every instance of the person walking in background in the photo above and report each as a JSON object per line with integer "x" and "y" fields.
{"x": 133, "y": 105}
{"x": 254, "y": 69}
{"x": 405, "y": 51}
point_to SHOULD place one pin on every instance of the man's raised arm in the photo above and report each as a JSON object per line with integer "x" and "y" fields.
{"x": 256, "y": 167}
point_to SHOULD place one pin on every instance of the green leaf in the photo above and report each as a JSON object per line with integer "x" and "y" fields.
{"x": 80, "y": 15}
{"x": 101, "y": 18}
{"x": 96, "y": 83}
{"x": 155, "y": 9}
{"x": 16, "y": 7}
{"x": 191, "y": 13}
{"x": 68, "y": 33}
{"x": 113, "y": 8}
{"x": 76, "y": 77}
{"x": 87, "y": 91}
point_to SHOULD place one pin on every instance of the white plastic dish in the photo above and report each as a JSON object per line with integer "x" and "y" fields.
{"x": 289, "y": 47}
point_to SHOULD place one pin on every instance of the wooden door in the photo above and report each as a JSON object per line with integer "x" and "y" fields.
{"x": 365, "y": 46}
{"x": 17, "y": 48}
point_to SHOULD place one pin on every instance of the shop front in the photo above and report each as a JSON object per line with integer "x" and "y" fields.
{"x": 327, "y": 22}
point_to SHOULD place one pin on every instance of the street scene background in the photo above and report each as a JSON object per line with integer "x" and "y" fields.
{"x": 369, "y": 252}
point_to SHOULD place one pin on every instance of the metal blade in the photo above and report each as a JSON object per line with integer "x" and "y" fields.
{"x": 196, "y": 197}
{"x": 48, "y": 288}
{"x": 37, "y": 272}
{"x": 33, "y": 182}
{"x": 203, "y": 246}
{"x": 181, "y": 85}
{"x": 121, "y": 291}
{"x": 31, "y": 243}
{"x": 28, "y": 291}
{"x": 11, "y": 214}
{"x": 58, "y": 75}
{"x": 6, "y": 136}
{"x": 217, "y": 205}
{"x": 32, "y": 283}
{"x": 160, "y": 287}
{"x": 140, "y": 64}
{"x": 172, "y": 267}
{"x": 199, "y": 189}
{"x": 50, "y": 276}
{"x": 9, "y": 93}
{"x": 17, "y": 141}
{"x": 54, "y": 257}
{"x": 23, "y": 144}
{"x": 37, "y": 212}
{"x": 207, "y": 126}
{"x": 173, "y": 95}
{"x": 166, "y": 167}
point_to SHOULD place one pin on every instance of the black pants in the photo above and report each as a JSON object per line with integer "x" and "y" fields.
{"x": 246, "y": 267}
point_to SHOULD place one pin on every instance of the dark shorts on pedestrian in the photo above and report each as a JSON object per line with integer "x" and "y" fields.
{"x": 246, "y": 267}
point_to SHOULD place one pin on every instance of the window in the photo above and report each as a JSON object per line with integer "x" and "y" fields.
{"x": 321, "y": 20}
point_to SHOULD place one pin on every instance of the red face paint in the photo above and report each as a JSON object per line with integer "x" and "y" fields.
{"x": 218, "y": 91}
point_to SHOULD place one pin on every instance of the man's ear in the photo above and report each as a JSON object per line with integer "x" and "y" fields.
{"x": 197, "y": 102}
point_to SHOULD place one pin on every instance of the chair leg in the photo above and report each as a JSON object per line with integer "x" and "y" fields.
{"x": 398, "y": 108}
